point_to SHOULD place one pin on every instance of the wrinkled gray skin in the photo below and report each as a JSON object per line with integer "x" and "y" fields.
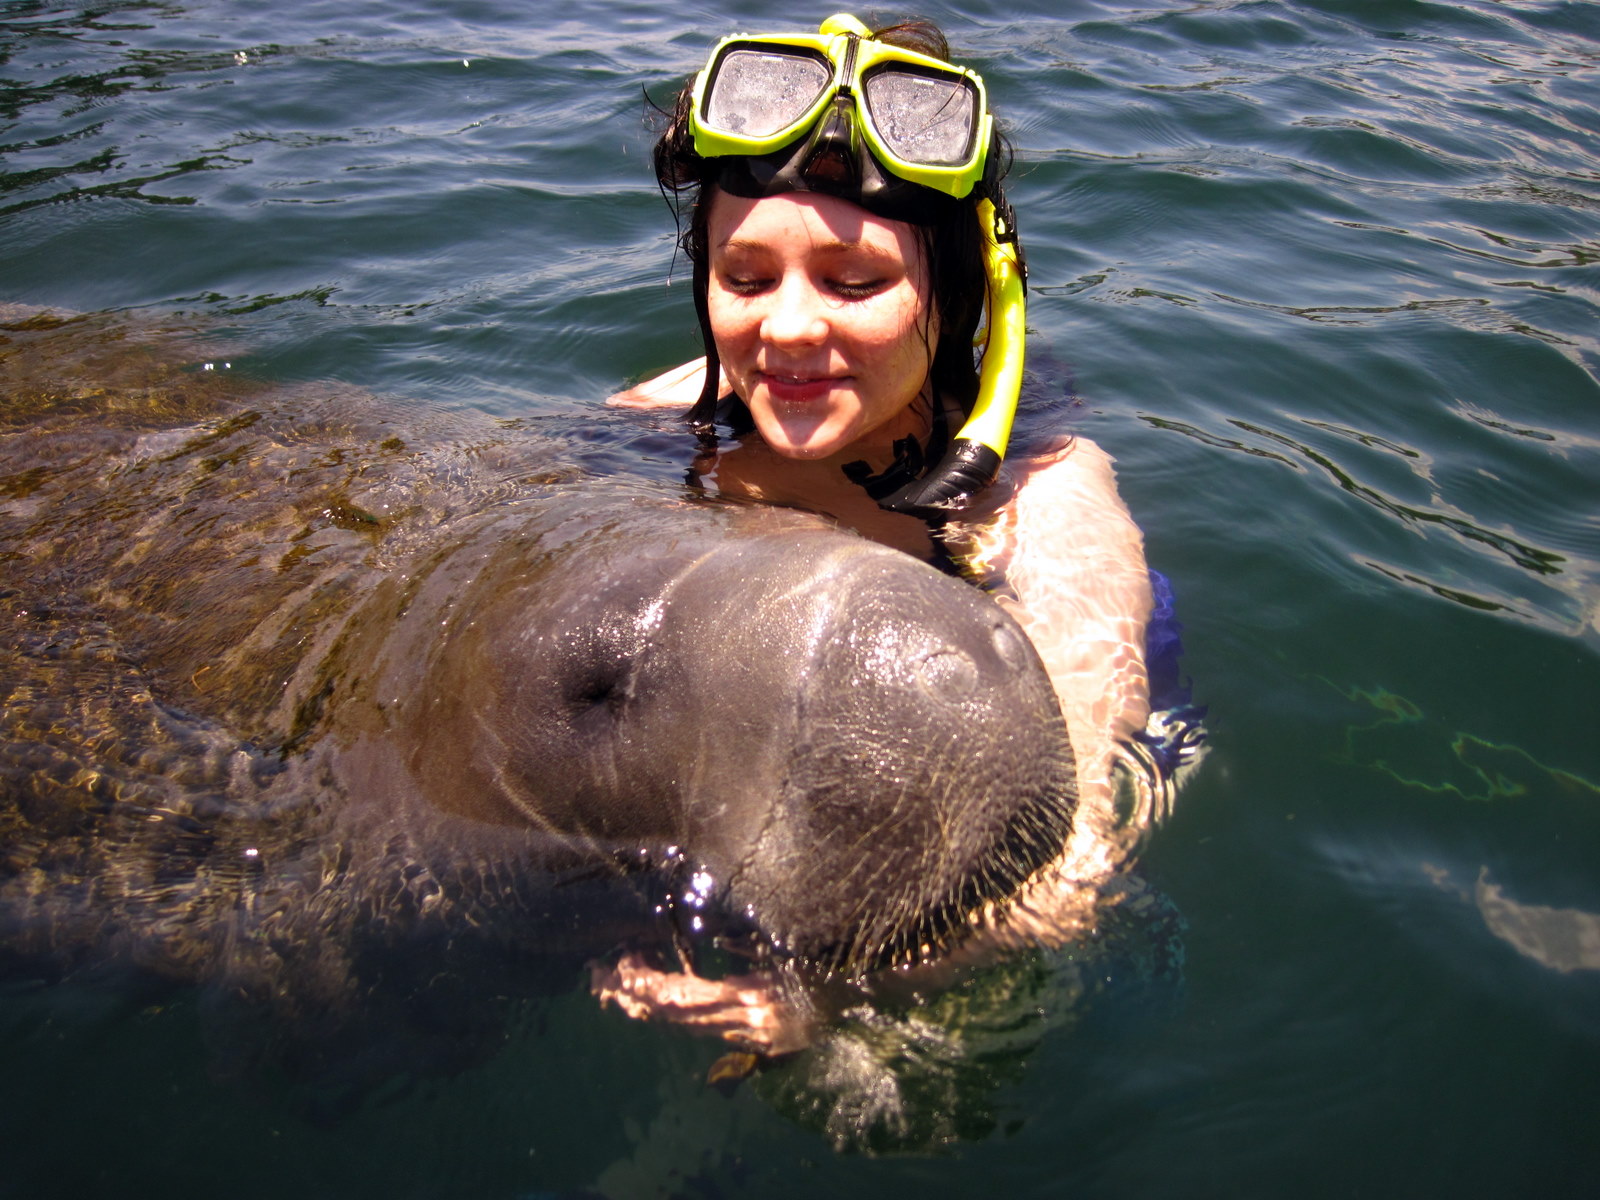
{"x": 306, "y": 703}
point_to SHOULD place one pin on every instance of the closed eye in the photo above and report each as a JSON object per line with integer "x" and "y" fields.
{"x": 856, "y": 290}
{"x": 745, "y": 285}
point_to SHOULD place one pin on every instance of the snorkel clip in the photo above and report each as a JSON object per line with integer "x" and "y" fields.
{"x": 973, "y": 460}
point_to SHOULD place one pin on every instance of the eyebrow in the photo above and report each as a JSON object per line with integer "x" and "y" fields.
{"x": 833, "y": 246}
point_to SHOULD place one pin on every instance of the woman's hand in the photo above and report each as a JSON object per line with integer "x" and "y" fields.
{"x": 748, "y": 1011}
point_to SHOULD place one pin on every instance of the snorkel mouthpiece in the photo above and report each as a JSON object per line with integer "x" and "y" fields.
{"x": 973, "y": 460}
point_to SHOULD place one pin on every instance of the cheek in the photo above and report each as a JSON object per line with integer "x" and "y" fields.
{"x": 719, "y": 310}
{"x": 905, "y": 339}
{"x": 733, "y": 324}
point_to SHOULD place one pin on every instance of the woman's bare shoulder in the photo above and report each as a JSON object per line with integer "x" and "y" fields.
{"x": 678, "y": 388}
{"x": 1058, "y": 502}
{"x": 1065, "y": 547}
{"x": 1075, "y": 470}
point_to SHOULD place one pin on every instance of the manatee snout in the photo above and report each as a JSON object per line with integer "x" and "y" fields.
{"x": 915, "y": 767}
{"x": 857, "y": 751}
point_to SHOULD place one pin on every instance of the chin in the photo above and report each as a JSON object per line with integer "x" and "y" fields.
{"x": 808, "y": 451}
{"x": 811, "y": 443}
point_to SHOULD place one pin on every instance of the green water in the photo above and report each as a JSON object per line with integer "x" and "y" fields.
{"x": 1322, "y": 276}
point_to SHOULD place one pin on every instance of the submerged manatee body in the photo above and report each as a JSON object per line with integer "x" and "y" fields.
{"x": 300, "y": 703}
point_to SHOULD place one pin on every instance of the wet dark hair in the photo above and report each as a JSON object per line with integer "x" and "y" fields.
{"x": 949, "y": 230}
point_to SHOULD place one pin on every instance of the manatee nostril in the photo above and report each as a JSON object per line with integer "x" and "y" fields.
{"x": 948, "y": 674}
{"x": 603, "y": 692}
{"x": 1009, "y": 645}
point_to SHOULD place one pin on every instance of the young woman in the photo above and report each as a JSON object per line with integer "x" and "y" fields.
{"x": 848, "y": 234}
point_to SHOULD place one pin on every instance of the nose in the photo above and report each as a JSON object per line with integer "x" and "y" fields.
{"x": 797, "y": 313}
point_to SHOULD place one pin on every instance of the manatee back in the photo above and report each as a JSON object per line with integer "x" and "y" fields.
{"x": 299, "y": 633}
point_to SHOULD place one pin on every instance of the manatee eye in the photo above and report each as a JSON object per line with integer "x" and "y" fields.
{"x": 948, "y": 674}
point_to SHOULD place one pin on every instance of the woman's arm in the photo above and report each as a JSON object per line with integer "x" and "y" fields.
{"x": 1070, "y": 562}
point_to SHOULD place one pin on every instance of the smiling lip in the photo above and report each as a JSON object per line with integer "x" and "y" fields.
{"x": 797, "y": 388}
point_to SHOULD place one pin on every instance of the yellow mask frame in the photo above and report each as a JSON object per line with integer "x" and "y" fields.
{"x": 842, "y": 59}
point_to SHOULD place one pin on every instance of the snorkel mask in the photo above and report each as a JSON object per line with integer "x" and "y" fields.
{"x": 900, "y": 134}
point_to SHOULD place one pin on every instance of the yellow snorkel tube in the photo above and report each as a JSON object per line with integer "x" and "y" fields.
{"x": 979, "y": 447}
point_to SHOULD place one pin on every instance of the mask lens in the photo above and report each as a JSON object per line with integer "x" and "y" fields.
{"x": 757, "y": 93}
{"x": 924, "y": 119}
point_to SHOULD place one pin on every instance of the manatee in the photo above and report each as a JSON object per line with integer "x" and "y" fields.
{"x": 305, "y": 698}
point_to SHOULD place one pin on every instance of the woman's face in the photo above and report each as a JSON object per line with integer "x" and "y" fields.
{"x": 822, "y": 318}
